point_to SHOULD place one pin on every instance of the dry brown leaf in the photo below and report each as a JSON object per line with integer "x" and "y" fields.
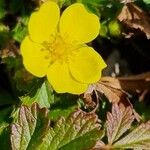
{"x": 89, "y": 97}
{"x": 135, "y": 18}
{"x": 116, "y": 89}
{"x": 126, "y": 1}
{"x": 113, "y": 95}
{"x": 133, "y": 84}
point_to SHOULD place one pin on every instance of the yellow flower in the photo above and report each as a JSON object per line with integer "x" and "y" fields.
{"x": 55, "y": 47}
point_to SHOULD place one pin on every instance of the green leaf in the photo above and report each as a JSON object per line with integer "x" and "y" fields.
{"x": 32, "y": 131}
{"x": 92, "y": 5}
{"x": 2, "y": 9}
{"x": 2, "y": 127}
{"x": 4, "y": 35}
{"x": 4, "y": 136}
{"x": 139, "y": 138}
{"x": 41, "y": 93}
{"x": 146, "y": 1}
{"x": 118, "y": 122}
{"x": 54, "y": 114}
{"x": 79, "y": 131}
{"x": 96, "y": 3}
{"x": 63, "y": 105}
{"x": 20, "y": 30}
{"x": 24, "y": 81}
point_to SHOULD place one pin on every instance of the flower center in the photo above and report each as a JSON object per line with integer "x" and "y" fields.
{"x": 58, "y": 50}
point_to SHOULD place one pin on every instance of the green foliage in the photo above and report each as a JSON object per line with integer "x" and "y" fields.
{"x": 2, "y": 9}
{"x": 33, "y": 131}
{"x": 4, "y": 136}
{"x": 103, "y": 30}
{"x": 4, "y": 36}
{"x": 146, "y": 1}
{"x": 34, "y": 116}
{"x": 63, "y": 105}
{"x": 41, "y": 93}
{"x": 20, "y": 30}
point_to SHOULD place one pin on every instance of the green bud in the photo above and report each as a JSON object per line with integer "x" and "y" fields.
{"x": 114, "y": 28}
{"x": 103, "y": 30}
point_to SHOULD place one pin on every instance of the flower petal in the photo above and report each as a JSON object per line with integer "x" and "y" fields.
{"x": 59, "y": 77}
{"x": 34, "y": 58}
{"x": 43, "y": 23}
{"x": 78, "y": 25}
{"x": 86, "y": 66}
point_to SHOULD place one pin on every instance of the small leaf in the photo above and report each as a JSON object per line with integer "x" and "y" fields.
{"x": 118, "y": 122}
{"x": 42, "y": 94}
{"x": 20, "y": 30}
{"x": 139, "y": 138}
{"x": 32, "y": 131}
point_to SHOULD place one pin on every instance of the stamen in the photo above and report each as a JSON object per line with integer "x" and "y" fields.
{"x": 58, "y": 50}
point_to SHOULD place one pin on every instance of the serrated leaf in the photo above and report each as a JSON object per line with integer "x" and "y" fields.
{"x": 42, "y": 94}
{"x": 30, "y": 128}
{"x": 32, "y": 131}
{"x": 78, "y": 131}
{"x": 118, "y": 122}
{"x": 139, "y": 138}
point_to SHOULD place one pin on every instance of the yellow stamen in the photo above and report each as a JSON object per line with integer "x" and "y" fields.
{"x": 58, "y": 50}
